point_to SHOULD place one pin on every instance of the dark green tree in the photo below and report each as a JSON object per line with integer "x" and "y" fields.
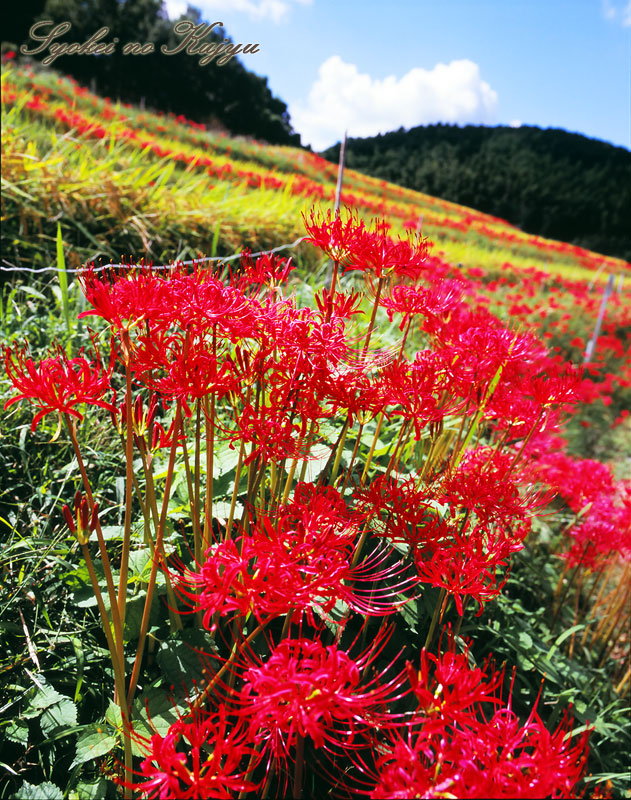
{"x": 548, "y": 182}
{"x": 229, "y": 94}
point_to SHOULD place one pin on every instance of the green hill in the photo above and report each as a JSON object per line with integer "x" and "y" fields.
{"x": 548, "y": 182}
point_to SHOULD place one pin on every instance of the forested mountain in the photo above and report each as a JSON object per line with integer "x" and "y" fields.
{"x": 229, "y": 94}
{"x": 549, "y": 182}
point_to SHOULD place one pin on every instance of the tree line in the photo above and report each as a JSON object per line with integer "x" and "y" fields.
{"x": 228, "y": 95}
{"x": 548, "y": 182}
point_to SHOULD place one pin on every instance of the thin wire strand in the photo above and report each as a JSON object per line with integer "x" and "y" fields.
{"x": 157, "y": 266}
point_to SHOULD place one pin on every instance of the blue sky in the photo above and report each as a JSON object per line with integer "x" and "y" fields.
{"x": 375, "y": 66}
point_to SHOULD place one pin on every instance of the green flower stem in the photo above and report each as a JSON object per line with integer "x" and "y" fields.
{"x": 129, "y": 467}
{"x": 338, "y": 453}
{"x": 371, "y": 324}
{"x": 174, "y": 619}
{"x": 372, "y": 447}
{"x": 436, "y": 614}
{"x": 310, "y": 435}
{"x": 353, "y": 456}
{"x": 197, "y": 505}
{"x": 107, "y": 569}
{"x": 197, "y": 536}
{"x": 206, "y": 693}
{"x": 210, "y": 445}
{"x": 119, "y": 677}
{"x": 144, "y": 624}
{"x": 235, "y": 490}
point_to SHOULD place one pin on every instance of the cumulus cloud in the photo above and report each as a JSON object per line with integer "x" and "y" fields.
{"x": 515, "y": 123}
{"x": 344, "y": 98}
{"x": 275, "y": 10}
{"x": 619, "y": 12}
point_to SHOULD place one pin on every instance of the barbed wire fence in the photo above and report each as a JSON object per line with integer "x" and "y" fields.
{"x": 103, "y": 267}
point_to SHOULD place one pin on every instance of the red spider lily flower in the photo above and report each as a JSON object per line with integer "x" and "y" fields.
{"x": 125, "y": 296}
{"x": 306, "y": 689}
{"x": 604, "y": 533}
{"x": 411, "y": 300}
{"x": 271, "y": 434}
{"x": 201, "y": 755}
{"x": 555, "y": 386}
{"x": 420, "y": 390}
{"x": 411, "y": 517}
{"x": 467, "y": 564}
{"x": 268, "y": 270}
{"x": 288, "y": 566}
{"x": 453, "y": 749}
{"x": 57, "y": 384}
{"x": 203, "y": 303}
{"x": 484, "y": 484}
{"x": 579, "y": 481}
{"x": 447, "y": 687}
{"x": 501, "y": 759}
{"x": 82, "y": 522}
{"x": 341, "y": 305}
{"x": 182, "y": 367}
{"x": 337, "y": 235}
{"x": 304, "y": 340}
{"x": 352, "y": 392}
{"x": 381, "y": 255}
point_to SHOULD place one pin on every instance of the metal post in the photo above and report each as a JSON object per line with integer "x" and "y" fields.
{"x": 340, "y": 175}
{"x": 592, "y": 343}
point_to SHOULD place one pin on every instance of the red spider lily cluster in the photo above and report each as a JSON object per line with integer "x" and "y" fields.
{"x": 364, "y": 476}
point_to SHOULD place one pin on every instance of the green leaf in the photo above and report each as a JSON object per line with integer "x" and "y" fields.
{"x": 17, "y": 731}
{"x": 134, "y": 610}
{"x": 45, "y": 697}
{"x": 63, "y": 279}
{"x": 92, "y": 743}
{"x": 43, "y": 791}
{"x": 178, "y": 658}
{"x": 60, "y": 715}
{"x": 163, "y": 712}
{"x": 93, "y": 791}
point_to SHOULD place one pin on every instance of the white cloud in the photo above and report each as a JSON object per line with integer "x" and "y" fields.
{"x": 515, "y": 123}
{"x": 617, "y": 12}
{"x": 276, "y": 10}
{"x": 344, "y": 98}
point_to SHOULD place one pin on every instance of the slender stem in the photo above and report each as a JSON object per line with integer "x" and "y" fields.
{"x": 437, "y": 612}
{"x": 371, "y": 324}
{"x": 353, "y": 456}
{"x": 129, "y": 468}
{"x": 338, "y": 453}
{"x": 197, "y": 536}
{"x": 107, "y": 569}
{"x": 303, "y": 470}
{"x": 119, "y": 676}
{"x": 298, "y": 766}
{"x": 210, "y": 446}
{"x": 372, "y": 447}
{"x": 174, "y": 619}
{"x": 235, "y": 490}
{"x": 144, "y": 624}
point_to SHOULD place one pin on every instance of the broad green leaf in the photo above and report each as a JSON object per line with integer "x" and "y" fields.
{"x": 45, "y": 697}
{"x": 94, "y": 791}
{"x": 43, "y": 791}
{"x": 60, "y": 715}
{"x": 92, "y": 743}
{"x": 17, "y": 731}
{"x": 179, "y": 660}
